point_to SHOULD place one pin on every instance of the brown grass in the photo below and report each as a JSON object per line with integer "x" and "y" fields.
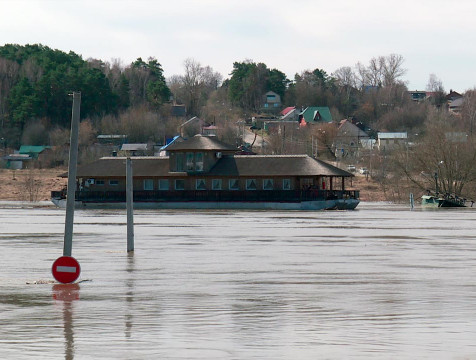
{"x": 30, "y": 184}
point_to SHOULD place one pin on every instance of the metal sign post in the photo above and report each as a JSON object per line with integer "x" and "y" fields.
{"x": 66, "y": 269}
{"x": 73, "y": 160}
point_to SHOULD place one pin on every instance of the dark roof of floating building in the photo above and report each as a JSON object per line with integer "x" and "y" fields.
{"x": 227, "y": 166}
{"x": 199, "y": 142}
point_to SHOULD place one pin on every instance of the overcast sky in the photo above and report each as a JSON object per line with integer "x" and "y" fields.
{"x": 433, "y": 36}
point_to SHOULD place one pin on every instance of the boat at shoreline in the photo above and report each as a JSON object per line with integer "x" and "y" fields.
{"x": 205, "y": 173}
{"x": 442, "y": 200}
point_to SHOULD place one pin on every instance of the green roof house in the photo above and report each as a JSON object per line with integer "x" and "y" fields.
{"x": 32, "y": 150}
{"x": 316, "y": 114}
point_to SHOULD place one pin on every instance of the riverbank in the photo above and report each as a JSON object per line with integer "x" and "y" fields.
{"x": 37, "y": 184}
{"x": 30, "y": 184}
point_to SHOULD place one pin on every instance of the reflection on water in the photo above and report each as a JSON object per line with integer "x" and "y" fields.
{"x": 129, "y": 295}
{"x": 66, "y": 294}
{"x": 379, "y": 282}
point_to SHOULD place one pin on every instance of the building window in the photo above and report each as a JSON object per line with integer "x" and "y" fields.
{"x": 189, "y": 161}
{"x": 148, "y": 184}
{"x": 179, "y": 184}
{"x": 163, "y": 184}
{"x": 114, "y": 182}
{"x": 275, "y": 104}
{"x": 179, "y": 162}
{"x": 233, "y": 184}
{"x": 286, "y": 184}
{"x": 251, "y": 184}
{"x": 266, "y": 105}
{"x": 99, "y": 182}
{"x": 216, "y": 184}
{"x": 200, "y": 184}
{"x": 199, "y": 161}
{"x": 268, "y": 184}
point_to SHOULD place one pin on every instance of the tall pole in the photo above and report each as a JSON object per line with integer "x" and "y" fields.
{"x": 129, "y": 205}
{"x": 73, "y": 160}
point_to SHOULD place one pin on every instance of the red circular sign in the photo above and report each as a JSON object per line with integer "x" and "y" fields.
{"x": 66, "y": 269}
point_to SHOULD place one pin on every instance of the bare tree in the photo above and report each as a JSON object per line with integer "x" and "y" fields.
{"x": 345, "y": 76}
{"x": 468, "y": 113}
{"x": 435, "y": 87}
{"x": 195, "y": 86}
{"x": 441, "y": 160}
{"x": 381, "y": 71}
{"x": 31, "y": 185}
{"x": 392, "y": 69}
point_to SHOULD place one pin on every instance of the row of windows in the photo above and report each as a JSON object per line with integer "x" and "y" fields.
{"x": 216, "y": 184}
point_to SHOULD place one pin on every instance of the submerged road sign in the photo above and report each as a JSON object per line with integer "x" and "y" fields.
{"x": 66, "y": 269}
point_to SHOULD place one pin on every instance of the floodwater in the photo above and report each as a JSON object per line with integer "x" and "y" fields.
{"x": 381, "y": 282}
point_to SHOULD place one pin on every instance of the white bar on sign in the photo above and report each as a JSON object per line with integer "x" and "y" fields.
{"x": 67, "y": 269}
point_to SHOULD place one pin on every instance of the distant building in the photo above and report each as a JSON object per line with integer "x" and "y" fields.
{"x": 16, "y": 161}
{"x": 290, "y": 114}
{"x": 456, "y": 105}
{"x": 453, "y": 95}
{"x": 271, "y": 102}
{"x": 315, "y": 114}
{"x": 112, "y": 139}
{"x": 42, "y": 154}
{"x": 349, "y": 139}
{"x": 391, "y": 140}
{"x": 418, "y": 96}
{"x": 178, "y": 111}
{"x": 209, "y": 130}
{"x": 135, "y": 149}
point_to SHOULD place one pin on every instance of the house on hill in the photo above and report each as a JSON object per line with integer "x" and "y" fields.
{"x": 135, "y": 149}
{"x": 453, "y": 95}
{"x": 315, "y": 114}
{"x": 271, "y": 102}
{"x": 42, "y": 154}
{"x": 290, "y": 114}
{"x": 391, "y": 140}
{"x": 349, "y": 139}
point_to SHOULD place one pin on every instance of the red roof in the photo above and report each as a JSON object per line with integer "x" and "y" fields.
{"x": 286, "y": 110}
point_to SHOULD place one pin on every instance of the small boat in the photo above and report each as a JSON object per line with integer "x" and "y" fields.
{"x": 442, "y": 200}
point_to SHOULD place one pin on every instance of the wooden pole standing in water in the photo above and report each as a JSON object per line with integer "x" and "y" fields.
{"x": 129, "y": 205}
{"x": 73, "y": 160}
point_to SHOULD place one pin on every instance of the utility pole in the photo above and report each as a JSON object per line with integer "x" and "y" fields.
{"x": 129, "y": 205}
{"x": 73, "y": 160}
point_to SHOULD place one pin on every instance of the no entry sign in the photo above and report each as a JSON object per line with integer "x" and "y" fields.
{"x": 66, "y": 269}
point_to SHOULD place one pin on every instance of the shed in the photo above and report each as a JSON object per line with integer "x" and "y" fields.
{"x": 15, "y": 161}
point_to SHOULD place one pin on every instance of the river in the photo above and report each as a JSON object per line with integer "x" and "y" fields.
{"x": 379, "y": 282}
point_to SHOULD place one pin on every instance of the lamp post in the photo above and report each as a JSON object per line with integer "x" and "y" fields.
{"x": 437, "y": 175}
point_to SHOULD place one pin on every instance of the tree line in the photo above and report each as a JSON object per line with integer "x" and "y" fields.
{"x": 35, "y": 81}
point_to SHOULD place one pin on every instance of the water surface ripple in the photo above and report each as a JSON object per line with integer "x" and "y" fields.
{"x": 379, "y": 282}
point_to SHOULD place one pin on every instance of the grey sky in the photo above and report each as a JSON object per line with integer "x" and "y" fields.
{"x": 292, "y": 36}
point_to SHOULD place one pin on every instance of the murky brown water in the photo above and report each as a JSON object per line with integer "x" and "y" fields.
{"x": 379, "y": 282}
